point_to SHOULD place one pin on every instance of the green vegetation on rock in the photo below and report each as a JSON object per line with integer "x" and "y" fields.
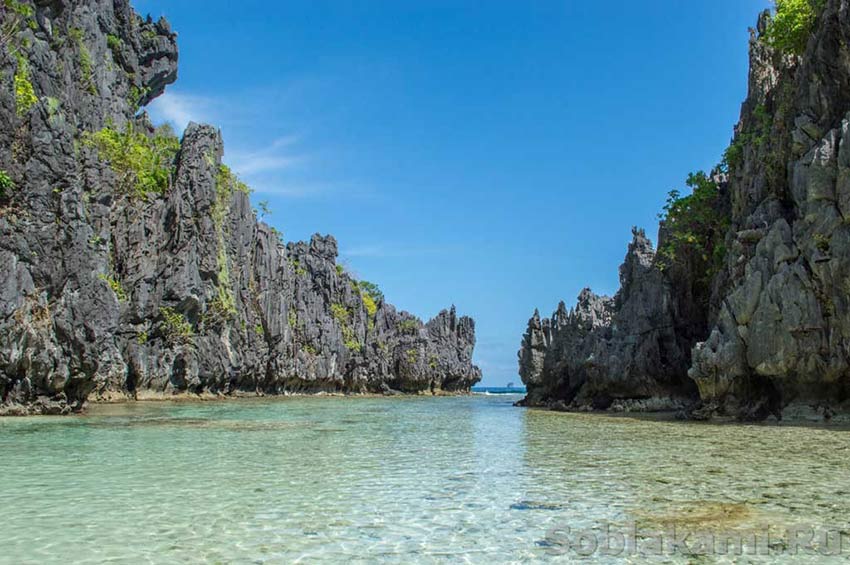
{"x": 222, "y": 308}
{"x": 696, "y": 226}
{"x": 116, "y": 287}
{"x": 408, "y": 326}
{"x": 175, "y": 326}
{"x": 412, "y": 355}
{"x": 6, "y": 184}
{"x": 86, "y": 64}
{"x": 144, "y": 164}
{"x": 115, "y": 44}
{"x": 297, "y": 268}
{"x": 16, "y": 13}
{"x": 755, "y": 135}
{"x": 25, "y": 97}
{"x": 340, "y": 313}
{"x": 792, "y": 24}
{"x": 371, "y": 295}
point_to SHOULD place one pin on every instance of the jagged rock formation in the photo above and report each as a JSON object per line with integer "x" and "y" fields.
{"x": 104, "y": 293}
{"x": 625, "y": 352}
{"x": 771, "y": 334}
{"x": 782, "y": 335}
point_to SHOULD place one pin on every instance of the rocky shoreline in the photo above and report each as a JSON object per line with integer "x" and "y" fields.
{"x": 47, "y": 407}
{"x": 743, "y": 310}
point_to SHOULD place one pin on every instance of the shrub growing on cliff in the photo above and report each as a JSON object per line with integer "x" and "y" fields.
{"x": 13, "y": 14}
{"x": 25, "y": 97}
{"x": 371, "y": 296}
{"x": 227, "y": 182}
{"x": 144, "y": 164}
{"x": 792, "y": 24}
{"x": 175, "y": 326}
{"x": 86, "y": 63}
{"x": 6, "y": 184}
{"x": 116, "y": 287}
{"x": 696, "y": 226}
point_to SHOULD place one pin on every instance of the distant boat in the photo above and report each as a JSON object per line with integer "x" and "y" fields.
{"x": 510, "y": 385}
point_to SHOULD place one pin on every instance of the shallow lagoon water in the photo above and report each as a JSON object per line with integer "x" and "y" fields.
{"x": 400, "y": 480}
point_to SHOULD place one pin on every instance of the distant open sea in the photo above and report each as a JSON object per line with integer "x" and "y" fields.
{"x": 498, "y": 390}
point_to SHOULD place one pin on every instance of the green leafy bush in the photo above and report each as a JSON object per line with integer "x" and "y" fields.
{"x": 6, "y": 184}
{"x": 296, "y": 266}
{"x": 371, "y": 295}
{"x": 144, "y": 165}
{"x": 228, "y": 182}
{"x": 340, "y": 270}
{"x": 755, "y": 135}
{"x": 19, "y": 8}
{"x": 25, "y": 97}
{"x": 115, "y": 44}
{"x": 340, "y": 313}
{"x": 792, "y": 24}
{"x": 408, "y": 326}
{"x": 351, "y": 342}
{"x": 15, "y": 14}
{"x": 116, "y": 287}
{"x": 86, "y": 63}
{"x": 369, "y": 304}
{"x": 696, "y": 226}
{"x": 175, "y": 326}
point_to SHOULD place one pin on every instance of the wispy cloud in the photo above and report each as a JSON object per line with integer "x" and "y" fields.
{"x": 291, "y": 190}
{"x": 284, "y": 166}
{"x": 277, "y": 156}
{"x": 179, "y": 109}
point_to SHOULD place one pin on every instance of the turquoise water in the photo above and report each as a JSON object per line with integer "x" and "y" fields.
{"x": 399, "y": 480}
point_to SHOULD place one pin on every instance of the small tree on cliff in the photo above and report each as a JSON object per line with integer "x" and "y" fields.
{"x": 792, "y": 24}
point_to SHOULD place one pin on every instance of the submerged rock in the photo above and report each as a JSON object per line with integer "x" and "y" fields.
{"x": 112, "y": 287}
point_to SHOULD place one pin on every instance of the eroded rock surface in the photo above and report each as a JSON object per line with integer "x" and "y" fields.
{"x": 771, "y": 333}
{"x": 617, "y": 353}
{"x": 105, "y": 294}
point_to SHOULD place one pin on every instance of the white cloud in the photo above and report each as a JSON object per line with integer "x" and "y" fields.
{"x": 292, "y": 190}
{"x": 275, "y": 157}
{"x": 180, "y": 109}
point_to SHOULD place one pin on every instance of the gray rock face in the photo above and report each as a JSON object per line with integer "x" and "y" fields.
{"x": 772, "y": 333}
{"x": 781, "y": 336}
{"x": 104, "y": 294}
{"x": 606, "y": 352}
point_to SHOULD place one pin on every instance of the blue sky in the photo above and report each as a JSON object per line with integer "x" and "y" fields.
{"x": 492, "y": 155}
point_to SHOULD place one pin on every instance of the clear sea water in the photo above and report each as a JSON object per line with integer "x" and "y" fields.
{"x": 396, "y": 480}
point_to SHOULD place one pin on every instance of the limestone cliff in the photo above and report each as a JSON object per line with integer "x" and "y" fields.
{"x": 126, "y": 273}
{"x": 770, "y": 330}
